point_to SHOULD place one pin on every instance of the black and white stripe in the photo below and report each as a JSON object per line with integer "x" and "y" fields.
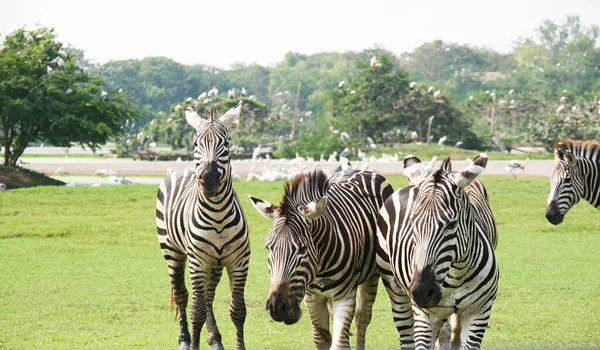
{"x": 436, "y": 256}
{"x": 322, "y": 248}
{"x": 575, "y": 176}
{"x": 199, "y": 219}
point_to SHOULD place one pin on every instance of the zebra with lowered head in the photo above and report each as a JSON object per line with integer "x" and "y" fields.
{"x": 322, "y": 247}
{"x": 575, "y": 176}
{"x": 436, "y": 255}
{"x": 200, "y": 220}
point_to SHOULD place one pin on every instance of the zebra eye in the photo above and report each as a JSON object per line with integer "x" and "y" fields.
{"x": 302, "y": 250}
{"x": 451, "y": 225}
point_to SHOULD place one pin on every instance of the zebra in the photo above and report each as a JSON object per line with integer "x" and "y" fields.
{"x": 322, "y": 248}
{"x": 436, "y": 242}
{"x": 575, "y": 176}
{"x": 199, "y": 218}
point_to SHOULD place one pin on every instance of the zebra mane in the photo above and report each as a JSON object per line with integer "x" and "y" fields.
{"x": 583, "y": 149}
{"x": 303, "y": 188}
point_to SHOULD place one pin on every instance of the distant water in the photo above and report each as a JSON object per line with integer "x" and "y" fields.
{"x": 83, "y": 180}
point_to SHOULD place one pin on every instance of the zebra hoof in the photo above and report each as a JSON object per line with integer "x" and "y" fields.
{"x": 184, "y": 346}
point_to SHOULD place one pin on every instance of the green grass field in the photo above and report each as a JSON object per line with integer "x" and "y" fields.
{"x": 80, "y": 267}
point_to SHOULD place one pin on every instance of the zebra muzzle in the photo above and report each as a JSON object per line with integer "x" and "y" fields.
{"x": 209, "y": 178}
{"x": 282, "y": 307}
{"x": 424, "y": 289}
{"x": 552, "y": 213}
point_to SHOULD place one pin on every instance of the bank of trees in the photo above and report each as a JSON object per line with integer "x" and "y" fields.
{"x": 547, "y": 87}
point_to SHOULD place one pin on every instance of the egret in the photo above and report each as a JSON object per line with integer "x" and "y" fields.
{"x": 341, "y": 84}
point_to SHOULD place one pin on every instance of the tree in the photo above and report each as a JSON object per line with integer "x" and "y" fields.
{"x": 365, "y": 106}
{"x": 46, "y": 96}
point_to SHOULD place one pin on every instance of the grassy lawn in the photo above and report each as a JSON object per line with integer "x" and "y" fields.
{"x": 81, "y": 267}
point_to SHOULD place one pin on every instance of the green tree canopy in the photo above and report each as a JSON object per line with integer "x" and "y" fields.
{"x": 45, "y": 95}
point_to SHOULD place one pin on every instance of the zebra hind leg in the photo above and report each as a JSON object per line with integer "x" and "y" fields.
{"x": 214, "y": 336}
{"x": 179, "y": 295}
{"x": 364, "y": 309}
{"x": 237, "y": 305}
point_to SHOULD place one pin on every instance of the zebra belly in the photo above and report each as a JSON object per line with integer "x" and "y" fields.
{"x": 223, "y": 249}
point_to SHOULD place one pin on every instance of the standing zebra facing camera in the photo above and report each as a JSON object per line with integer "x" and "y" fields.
{"x": 200, "y": 219}
{"x": 436, "y": 255}
{"x": 322, "y": 248}
{"x": 575, "y": 176}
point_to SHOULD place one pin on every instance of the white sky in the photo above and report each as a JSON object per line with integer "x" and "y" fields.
{"x": 221, "y": 32}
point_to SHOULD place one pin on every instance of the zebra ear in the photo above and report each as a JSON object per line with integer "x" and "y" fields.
{"x": 472, "y": 171}
{"x": 265, "y": 208}
{"x": 314, "y": 209}
{"x": 414, "y": 169}
{"x": 192, "y": 117}
{"x": 569, "y": 157}
{"x": 446, "y": 165}
{"x": 231, "y": 115}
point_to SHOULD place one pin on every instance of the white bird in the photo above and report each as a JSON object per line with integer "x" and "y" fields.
{"x": 513, "y": 165}
{"x": 458, "y": 144}
{"x": 202, "y": 96}
{"x": 437, "y": 94}
{"x": 341, "y": 84}
{"x": 442, "y": 140}
{"x": 344, "y": 135}
{"x": 2, "y": 187}
{"x": 563, "y": 99}
{"x": 256, "y": 153}
{"x": 375, "y": 62}
{"x": 510, "y": 92}
{"x": 49, "y": 69}
{"x": 574, "y": 108}
{"x": 103, "y": 94}
{"x": 101, "y": 172}
{"x": 430, "y": 89}
{"x": 244, "y": 92}
{"x": 414, "y": 136}
{"x": 560, "y": 109}
{"x": 412, "y": 85}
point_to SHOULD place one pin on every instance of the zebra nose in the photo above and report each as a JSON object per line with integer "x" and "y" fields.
{"x": 552, "y": 214}
{"x": 209, "y": 176}
{"x": 277, "y": 304}
{"x": 424, "y": 288}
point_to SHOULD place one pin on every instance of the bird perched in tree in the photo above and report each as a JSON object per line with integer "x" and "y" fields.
{"x": 375, "y": 62}
{"x": 244, "y": 92}
{"x": 341, "y": 84}
{"x": 513, "y": 165}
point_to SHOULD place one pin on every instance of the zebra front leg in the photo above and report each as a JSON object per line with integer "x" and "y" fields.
{"x": 343, "y": 313}
{"x": 318, "y": 310}
{"x": 199, "y": 310}
{"x": 473, "y": 328}
{"x": 179, "y": 295}
{"x": 237, "y": 305}
{"x": 426, "y": 329}
{"x": 364, "y": 309}
{"x": 214, "y": 336}
{"x": 402, "y": 312}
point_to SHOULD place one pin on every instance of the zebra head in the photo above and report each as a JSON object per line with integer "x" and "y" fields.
{"x": 566, "y": 184}
{"x": 441, "y": 223}
{"x": 292, "y": 257}
{"x": 211, "y": 149}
